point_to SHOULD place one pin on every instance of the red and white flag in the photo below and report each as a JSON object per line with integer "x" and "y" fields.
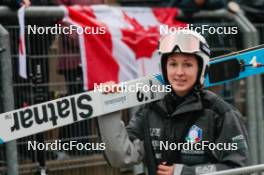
{"x": 22, "y": 47}
{"x": 127, "y": 49}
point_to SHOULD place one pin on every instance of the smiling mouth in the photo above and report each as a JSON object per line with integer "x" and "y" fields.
{"x": 180, "y": 81}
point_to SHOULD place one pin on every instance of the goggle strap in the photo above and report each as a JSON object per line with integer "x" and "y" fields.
{"x": 205, "y": 48}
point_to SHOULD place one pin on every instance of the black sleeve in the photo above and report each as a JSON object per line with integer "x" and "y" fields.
{"x": 230, "y": 130}
{"x": 135, "y": 127}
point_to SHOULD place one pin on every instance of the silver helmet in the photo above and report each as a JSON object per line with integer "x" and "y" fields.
{"x": 185, "y": 41}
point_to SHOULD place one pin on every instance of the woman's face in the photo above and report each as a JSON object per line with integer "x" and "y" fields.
{"x": 182, "y": 70}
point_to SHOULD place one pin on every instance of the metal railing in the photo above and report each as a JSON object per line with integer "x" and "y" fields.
{"x": 239, "y": 171}
{"x": 8, "y": 96}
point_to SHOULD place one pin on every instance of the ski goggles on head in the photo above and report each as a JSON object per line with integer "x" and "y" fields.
{"x": 184, "y": 42}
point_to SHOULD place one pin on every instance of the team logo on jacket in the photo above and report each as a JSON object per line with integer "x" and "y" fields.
{"x": 194, "y": 134}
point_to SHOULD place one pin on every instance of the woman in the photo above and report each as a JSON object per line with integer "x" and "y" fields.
{"x": 187, "y": 115}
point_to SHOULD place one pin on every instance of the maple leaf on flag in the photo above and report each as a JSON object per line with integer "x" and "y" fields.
{"x": 142, "y": 41}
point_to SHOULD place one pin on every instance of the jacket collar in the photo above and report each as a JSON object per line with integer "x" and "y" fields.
{"x": 192, "y": 102}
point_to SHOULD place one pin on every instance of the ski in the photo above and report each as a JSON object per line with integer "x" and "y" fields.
{"x": 67, "y": 110}
{"x": 235, "y": 66}
{"x": 64, "y": 111}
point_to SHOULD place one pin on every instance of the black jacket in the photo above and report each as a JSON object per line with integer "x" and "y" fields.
{"x": 170, "y": 121}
